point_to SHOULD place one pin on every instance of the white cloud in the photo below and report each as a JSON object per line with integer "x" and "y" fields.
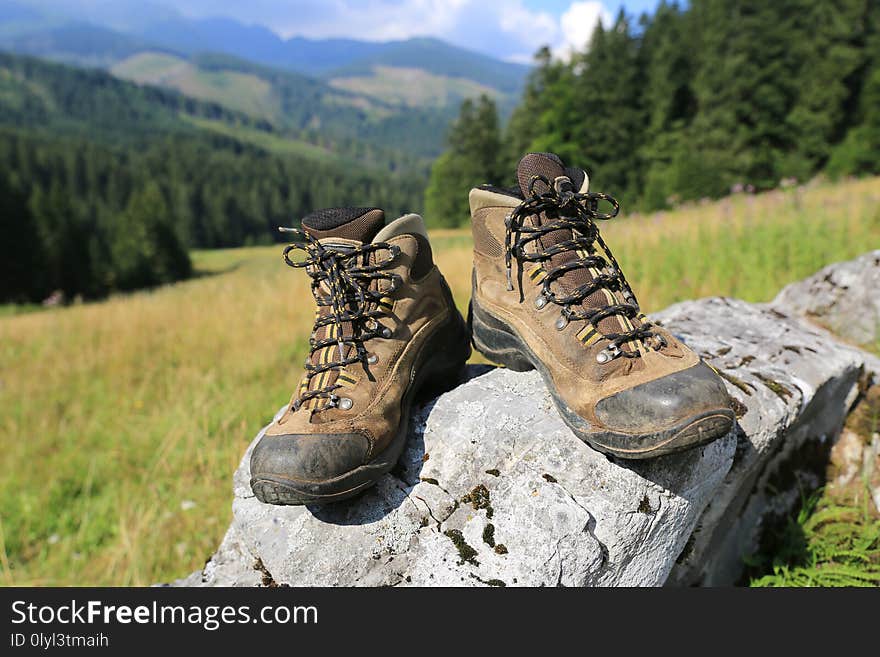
{"x": 509, "y": 29}
{"x": 578, "y": 23}
{"x": 375, "y": 20}
{"x": 504, "y": 28}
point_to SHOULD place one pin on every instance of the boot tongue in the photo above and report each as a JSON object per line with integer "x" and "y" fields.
{"x": 356, "y": 224}
{"x": 550, "y": 167}
{"x": 547, "y": 165}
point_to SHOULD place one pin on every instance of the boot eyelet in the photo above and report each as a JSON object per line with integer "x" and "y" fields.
{"x": 561, "y": 323}
{"x": 345, "y": 404}
{"x": 386, "y": 332}
{"x": 608, "y": 354}
{"x": 372, "y": 359}
{"x": 540, "y": 302}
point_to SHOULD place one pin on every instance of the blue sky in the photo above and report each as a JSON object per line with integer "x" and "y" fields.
{"x": 508, "y": 29}
{"x": 559, "y": 6}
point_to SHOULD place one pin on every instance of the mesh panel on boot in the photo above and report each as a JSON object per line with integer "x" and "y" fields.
{"x": 424, "y": 260}
{"x": 484, "y": 241}
{"x": 360, "y": 224}
{"x": 538, "y": 164}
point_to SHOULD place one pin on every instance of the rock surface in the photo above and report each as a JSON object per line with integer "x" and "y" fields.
{"x": 844, "y": 297}
{"x": 493, "y": 489}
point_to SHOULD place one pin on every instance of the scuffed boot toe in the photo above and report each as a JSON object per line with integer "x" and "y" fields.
{"x": 669, "y": 414}
{"x": 305, "y": 468}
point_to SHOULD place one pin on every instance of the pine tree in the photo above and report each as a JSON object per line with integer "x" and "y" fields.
{"x": 744, "y": 86}
{"x": 145, "y": 248}
{"x": 472, "y": 159}
{"x": 858, "y": 153}
{"x": 717, "y": 93}
{"x": 22, "y": 276}
{"x": 523, "y": 127}
{"x": 591, "y": 111}
{"x": 828, "y": 41}
{"x": 668, "y": 98}
{"x": 64, "y": 236}
{"x": 610, "y": 125}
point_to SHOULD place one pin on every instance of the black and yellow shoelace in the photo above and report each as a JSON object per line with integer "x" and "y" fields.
{"x": 346, "y": 274}
{"x": 565, "y": 209}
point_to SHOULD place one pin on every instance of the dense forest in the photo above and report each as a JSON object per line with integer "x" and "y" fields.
{"x": 690, "y": 103}
{"x": 105, "y": 186}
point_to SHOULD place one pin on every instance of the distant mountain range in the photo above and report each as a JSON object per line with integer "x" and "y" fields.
{"x": 102, "y": 37}
{"x": 336, "y": 93}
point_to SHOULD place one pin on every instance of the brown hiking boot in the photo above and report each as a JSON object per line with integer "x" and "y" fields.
{"x": 386, "y": 327}
{"x": 549, "y": 295}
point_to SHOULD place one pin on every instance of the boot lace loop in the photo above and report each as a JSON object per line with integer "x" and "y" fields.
{"x": 347, "y": 275}
{"x": 565, "y": 209}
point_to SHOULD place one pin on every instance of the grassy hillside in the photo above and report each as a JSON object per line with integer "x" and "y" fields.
{"x": 244, "y": 92}
{"x": 384, "y": 119}
{"x": 439, "y": 58}
{"x": 402, "y": 112}
{"x": 126, "y": 418}
{"x": 57, "y": 99}
{"x": 413, "y": 87}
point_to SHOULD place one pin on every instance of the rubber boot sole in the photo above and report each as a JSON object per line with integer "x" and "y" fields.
{"x": 500, "y": 343}
{"x": 443, "y": 359}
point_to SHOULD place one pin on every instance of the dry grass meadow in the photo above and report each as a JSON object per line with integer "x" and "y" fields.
{"x": 121, "y": 422}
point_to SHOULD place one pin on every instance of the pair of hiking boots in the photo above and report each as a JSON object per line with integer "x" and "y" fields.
{"x": 547, "y": 295}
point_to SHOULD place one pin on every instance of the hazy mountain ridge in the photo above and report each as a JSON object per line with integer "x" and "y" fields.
{"x": 336, "y": 93}
{"x": 21, "y": 25}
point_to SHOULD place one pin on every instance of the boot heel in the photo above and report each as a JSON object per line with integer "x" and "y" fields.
{"x": 449, "y": 352}
{"x": 490, "y": 338}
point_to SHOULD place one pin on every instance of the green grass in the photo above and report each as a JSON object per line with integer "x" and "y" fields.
{"x": 833, "y": 539}
{"x": 243, "y": 92}
{"x": 824, "y": 544}
{"x": 747, "y": 247}
{"x": 10, "y": 309}
{"x": 413, "y": 87}
{"x": 268, "y": 141}
{"x": 149, "y": 67}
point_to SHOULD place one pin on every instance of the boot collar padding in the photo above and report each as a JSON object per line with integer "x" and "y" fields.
{"x": 484, "y": 198}
{"x": 585, "y": 187}
{"x": 408, "y": 224}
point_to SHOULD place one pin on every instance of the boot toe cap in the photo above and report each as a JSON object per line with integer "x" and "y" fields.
{"x": 308, "y": 457}
{"x": 669, "y": 404}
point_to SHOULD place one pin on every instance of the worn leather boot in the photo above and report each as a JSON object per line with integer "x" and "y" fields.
{"x": 548, "y": 294}
{"x": 386, "y": 327}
